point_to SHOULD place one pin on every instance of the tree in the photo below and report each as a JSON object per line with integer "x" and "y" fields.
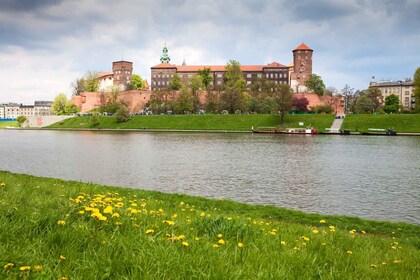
{"x": 206, "y": 77}
{"x": 232, "y": 99}
{"x": 283, "y": 94}
{"x": 62, "y": 106}
{"x": 300, "y": 104}
{"x": 77, "y": 86}
{"x": 315, "y": 84}
{"x": 348, "y": 94}
{"x": 21, "y": 120}
{"x": 184, "y": 102}
{"x": 392, "y": 104}
{"x": 58, "y": 106}
{"x": 364, "y": 104}
{"x": 195, "y": 83}
{"x": 375, "y": 95}
{"x": 91, "y": 81}
{"x": 175, "y": 83}
{"x": 137, "y": 82}
{"x": 416, "y": 80}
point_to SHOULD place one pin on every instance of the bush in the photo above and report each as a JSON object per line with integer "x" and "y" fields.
{"x": 94, "y": 120}
{"x": 122, "y": 114}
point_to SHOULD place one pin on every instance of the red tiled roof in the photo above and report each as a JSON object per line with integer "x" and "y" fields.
{"x": 218, "y": 68}
{"x": 303, "y": 47}
{"x": 165, "y": 65}
{"x": 103, "y": 74}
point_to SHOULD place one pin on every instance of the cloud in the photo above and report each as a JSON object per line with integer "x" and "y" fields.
{"x": 45, "y": 45}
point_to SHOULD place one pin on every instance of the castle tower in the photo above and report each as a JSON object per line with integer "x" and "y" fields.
{"x": 123, "y": 71}
{"x": 302, "y": 66}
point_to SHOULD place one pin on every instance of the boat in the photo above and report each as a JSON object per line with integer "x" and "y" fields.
{"x": 380, "y": 132}
{"x": 266, "y": 130}
{"x": 274, "y": 130}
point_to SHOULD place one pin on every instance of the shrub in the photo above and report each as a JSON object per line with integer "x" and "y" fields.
{"x": 122, "y": 114}
{"x": 21, "y": 120}
{"x": 94, "y": 120}
{"x": 327, "y": 109}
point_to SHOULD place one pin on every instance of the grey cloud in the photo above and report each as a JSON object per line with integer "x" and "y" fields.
{"x": 26, "y": 5}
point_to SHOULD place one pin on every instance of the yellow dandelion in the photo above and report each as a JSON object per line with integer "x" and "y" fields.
{"x": 81, "y": 212}
{"x": 349, "y": 252}
{"x": 182, "y": 203}
{"x": 63, "y": 278}
{"x": 216, "y": 245}
{"x": 241, "y": 245}
{"x": 295, "y": 248}
{"x": 384, "y": 263}
{"x": 283, "y": 242}
{"x": 103, "y": 218}
{"x": 221, "y": 241}
{"x": 393, "y": 247}
{"x": 322, "y": 222}
{"x": 229, "y": 218}
{"x": 174, "y": 216}
{"x": 185, "y": 244}
{"x": 180, "y": 237}
{"x": 202, "y": 214}
{"x": 118, "y": 223}
{"x": 61, "y": 222}
{"x": 305, "y": 238}
{"x": 220, "y": 235}
{"x": 24, "y": 268}
{"x": 315, "y": 231}
{"x": 397, "y": 261}
{"x": 169, "y": 223}
{"x": 115, "y": 215}
{"x": 272, "y": 232}
{"x": 353, "y": 231}
{"x": 323, "y": 244}
{"x": 2, "y": 184}
{"x": 373, "y": 265}
{"x": 9, "y": 265}
{"x": 62, "y": 257}
{"x": 197, "y": 238}
{"x": 363, "y": 232}
{"x": 150, "y": 231}
{"x": 38, "y": 267}
{"x": 108, "y": 210}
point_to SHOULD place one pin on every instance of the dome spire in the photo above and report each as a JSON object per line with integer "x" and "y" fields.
{"x": 165, "y": 57}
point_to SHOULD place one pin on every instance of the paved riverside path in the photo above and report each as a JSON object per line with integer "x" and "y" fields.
{"x": 336, "y": 125}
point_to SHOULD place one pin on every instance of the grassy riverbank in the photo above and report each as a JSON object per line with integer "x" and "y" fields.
{"x": 402, "y": 123}
{"x": 52, "y": 228}
{"x": 8, "y": 123}
{"x": 200, "y": 122}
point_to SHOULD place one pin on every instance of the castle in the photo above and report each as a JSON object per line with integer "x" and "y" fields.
{"x": 295, "y": 74}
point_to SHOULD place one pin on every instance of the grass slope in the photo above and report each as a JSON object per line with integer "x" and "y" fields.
{"x": 402, "y": 123}
{"x": 200, "y": 122}
{"x": 51, "y": 228}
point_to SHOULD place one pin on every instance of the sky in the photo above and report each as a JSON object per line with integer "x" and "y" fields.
{"x": 47, "y": 44}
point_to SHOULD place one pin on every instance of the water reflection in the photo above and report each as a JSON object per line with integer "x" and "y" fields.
{"x": 371, "y": 177}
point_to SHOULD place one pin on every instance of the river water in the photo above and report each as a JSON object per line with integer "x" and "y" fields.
{"x": 364, "y": 176}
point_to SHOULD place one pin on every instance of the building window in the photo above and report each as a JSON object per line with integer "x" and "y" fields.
{"x": 159, "y": 76}
{"x": 248, "y": 82}
{"x": 267, "y": 75}
{"x": 219, "y": 82}
{"x": 158, "y": 83}
{"x": 271, "y": 75}
{"x": 259, "y": 75}
{"x": 249, "y": 75}
{"x": 190, "y": 75}
{"x": 219, "y": 75}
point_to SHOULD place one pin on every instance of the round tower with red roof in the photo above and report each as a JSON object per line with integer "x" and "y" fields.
{"x": 302, "y": 67}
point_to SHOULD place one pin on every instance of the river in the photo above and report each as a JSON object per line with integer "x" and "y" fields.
{"x": 364, "y": 176}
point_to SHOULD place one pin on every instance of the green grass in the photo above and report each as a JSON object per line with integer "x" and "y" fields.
{"x": 200, "y": 122}
{"x": 8, "y": 123}
{"x": 51, "y": 223}
{"x": 402, "y": 123}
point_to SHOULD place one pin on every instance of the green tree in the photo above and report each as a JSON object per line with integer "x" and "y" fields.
{"x": 206, "y": 77}
{"x": 184, "y": 102}
{"x": 232, "y": 99}
{"x": 195, "y": 83}
{"x": 392, "y": 104}
{"x": 58, "y": 106}
{"x": 137, "y": 82}
{"x": 91, "y": 81}
{"x": 283, "y": 95}
{"x": 364, "y": 104}
{"x": 375, "y": 95}
{"x": 62, "y": 106}
{"x": 21, "y": 120}
{"x": 175, "y": 83}
{"x": 416, "y": 80}
{"x": 315, "y": 84}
